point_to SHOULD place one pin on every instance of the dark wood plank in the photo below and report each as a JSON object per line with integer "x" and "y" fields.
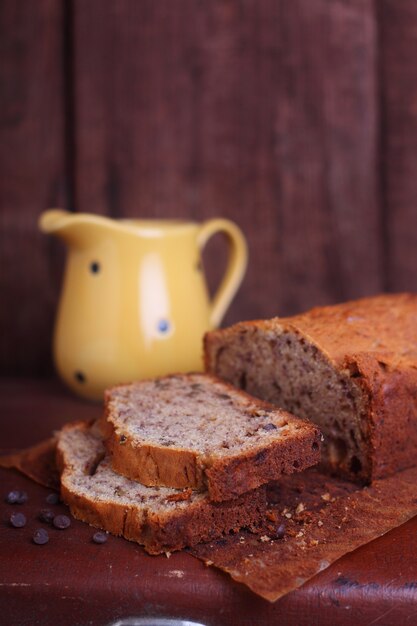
{"x": 398, "y": 50}
{"x": 261, "y": 111}
{"x": 192, "y": 110}
{"x": 31, "y": 177}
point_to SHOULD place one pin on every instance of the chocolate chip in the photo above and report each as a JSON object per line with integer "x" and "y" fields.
{"x": 269, "y": 426}
{"x": 61, "y": 522}
{"x": 18, "y": 520}
{"x": 260, "y": 457}
{"x": 23, "y": 497}
{"x": 12, "y": 497}
{"x": 280, "y": 532}
{"x": 52, "y": 498}
{"x": 122, "y": 439}
{"x": 40, "y": 536}
{"x": 46, "y": 515}
{"x": 100, "y": 537}
{"x": 17, "y": 497}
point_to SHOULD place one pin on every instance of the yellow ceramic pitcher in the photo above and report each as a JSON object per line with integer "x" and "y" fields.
{"x": 135, "y": 302}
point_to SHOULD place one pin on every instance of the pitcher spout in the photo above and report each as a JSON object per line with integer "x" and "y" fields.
{"x": 73, "y": 228}
{"x": 53, "y": 220}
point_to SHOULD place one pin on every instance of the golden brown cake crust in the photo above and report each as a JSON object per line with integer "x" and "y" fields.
{"x": 140, "y": 521}
{"x": 153, "y": 465}
{"x": 373, "y": 340}
{"x": 224, "y": 477}
{"x": 381, "y": 325}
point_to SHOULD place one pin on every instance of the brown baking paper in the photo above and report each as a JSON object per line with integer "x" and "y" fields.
{"x": 324, "y": 519}
{"x": 37, "y": 462}
{"x": 312, "y": 521}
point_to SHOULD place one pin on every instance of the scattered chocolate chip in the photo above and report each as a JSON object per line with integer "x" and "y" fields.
{"x": 40, "y": 536}
{"x": 17, "y": 497}
{"x": 280, "y": 532}
{"x": 12, "y": 497}
{"x": 18, "y": 520}
{"x": 52, "y": 498}
{"x": 269, "y": 426}
{"x": 100, "y": 537}
{"x": 46, "y": 515}
{"x": 61, "y": 522}
{"x": 122, "y": 439}
{"x": 23, "y": 497}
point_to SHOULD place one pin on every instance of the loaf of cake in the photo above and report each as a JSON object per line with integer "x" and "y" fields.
{"x": 196, "y": 431}
{"x": 161, "y": 519}
{"x": 350, "y": 368}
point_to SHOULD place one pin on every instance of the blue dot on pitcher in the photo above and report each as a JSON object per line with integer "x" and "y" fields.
{"x": 164, "y": 326}
{"x": 95, "y": 267}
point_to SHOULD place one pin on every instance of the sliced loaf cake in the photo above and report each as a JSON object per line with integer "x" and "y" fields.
{"x": 351, "y": 368}
{"x": 194, "y": 430}
{"x": 159, "y": 518}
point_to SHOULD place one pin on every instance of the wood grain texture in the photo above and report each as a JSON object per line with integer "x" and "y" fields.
{"x": 32, "y": 177}
{"x": 398, "y": 81}
{"x": 295, "y": 119}
{"x": 261, "y": 111}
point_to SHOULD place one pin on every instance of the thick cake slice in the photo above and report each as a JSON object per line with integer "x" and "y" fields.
{"x": 351, "y": 368}
{"x": 159, "y": 518}
{"x": 194, "y": 430}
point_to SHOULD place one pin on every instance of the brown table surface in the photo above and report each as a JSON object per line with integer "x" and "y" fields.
{"x": 72, "y": 581}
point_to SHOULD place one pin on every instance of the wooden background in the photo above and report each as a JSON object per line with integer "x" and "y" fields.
{"x": 295, "y": 118}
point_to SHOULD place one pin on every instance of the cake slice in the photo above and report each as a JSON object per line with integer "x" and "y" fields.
{"x": 351, "y": 368}
{"x": 196, "y": 431}
{"x": 161, "y": 519}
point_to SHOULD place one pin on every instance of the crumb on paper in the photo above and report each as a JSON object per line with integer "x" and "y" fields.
{"x": 176, "y": 573}
{"x": 320, "y": 523}
{"x": 265, "y": 538}
{"x": 167, "y": 554}
{"x": 288, "y": 515}
{"x": 325, "y": 497}
{"x": 300, "y": 508}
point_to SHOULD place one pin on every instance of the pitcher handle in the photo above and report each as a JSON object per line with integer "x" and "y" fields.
{"x": 236, "y": 264}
